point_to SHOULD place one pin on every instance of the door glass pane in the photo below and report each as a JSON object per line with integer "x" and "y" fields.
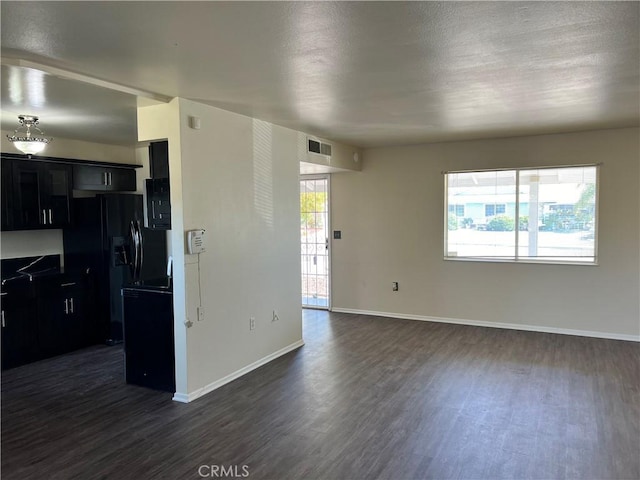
{"x": 314, "y": 234}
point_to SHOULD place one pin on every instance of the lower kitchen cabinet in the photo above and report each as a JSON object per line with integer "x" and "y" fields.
{"x": 19, "y": 328}
{"x": 61, "y": 319}
{"x": 46, "y": 317}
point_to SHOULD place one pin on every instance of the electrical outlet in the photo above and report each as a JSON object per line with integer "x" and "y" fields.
{"x": 200, "y": 313}
{"x": 394, "y": 286}
{"x": 275, "y": 317}
{"x": 252, "y": 323}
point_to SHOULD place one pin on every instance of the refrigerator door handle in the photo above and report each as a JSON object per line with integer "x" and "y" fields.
{"x": 134, "y": 248}
{"x": 140, "y": 248}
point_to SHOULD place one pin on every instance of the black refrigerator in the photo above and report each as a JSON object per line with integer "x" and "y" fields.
{"x": 109, "y": 243}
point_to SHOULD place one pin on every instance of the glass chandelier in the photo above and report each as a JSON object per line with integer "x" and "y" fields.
{"x": 25, "y": 139}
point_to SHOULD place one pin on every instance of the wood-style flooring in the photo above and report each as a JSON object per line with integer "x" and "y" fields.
{"x": 365, "y": 398}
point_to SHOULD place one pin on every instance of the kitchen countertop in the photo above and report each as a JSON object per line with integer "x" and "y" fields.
{"x": 26, "y": 269}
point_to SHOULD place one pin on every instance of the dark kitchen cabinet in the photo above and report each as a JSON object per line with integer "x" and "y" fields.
{"x": 104, "y": 179}
{"x": 19, "y": 328}
{"x": 46, "y": 316}
{"x": 7, "y": 196}
{"x": 148, "y": 337}
{"x": 158, "y": 203}
{"x": 41, "y": 196}
{"x": 62, "y": 321}
{"x": 159, "y": 159}
{"x": 157, "y": 187}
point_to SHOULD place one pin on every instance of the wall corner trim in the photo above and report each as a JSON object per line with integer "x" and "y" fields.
{"x": 482, "y": 323}
{"x": 190, "y": 397}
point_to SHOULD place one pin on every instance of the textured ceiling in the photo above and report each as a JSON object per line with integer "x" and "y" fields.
{"x": 365, "y": 73}
{"x": 67, "y": 108}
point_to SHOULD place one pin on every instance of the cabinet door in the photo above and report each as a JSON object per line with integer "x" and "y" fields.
{"x": 75, "y": 326}
{"x": 57, "y": 203}
{"x": 110, "y": 179}
{"x": 158, "y": 203}
{"x": 19, "y": 331}
{"x": 52, "y": 331}
{"x": 87, "y": 177}
{"x": 41, "y": 195}
{"x": 28, "y": 211}
{"x": 159, "y": 159}
{"x": 121, "y": 179}
{"x": 7, "y": 196}
{"x": 61, "y": 319}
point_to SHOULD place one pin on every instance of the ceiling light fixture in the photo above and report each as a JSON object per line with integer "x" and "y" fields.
{"x": 25, "y": 140}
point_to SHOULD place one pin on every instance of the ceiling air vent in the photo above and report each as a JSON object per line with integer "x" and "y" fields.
{"x": 318, "y": 147}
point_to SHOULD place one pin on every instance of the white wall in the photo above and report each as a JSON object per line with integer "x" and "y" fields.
{"x": 344, "y": 158}
{"x": 391, "y": 217}
{"x": 78, "y": 149}
{"x": 31, "y": 243}
{"x": 237, "y": 178}
{"x": 162, "y": 122}
{"x": 49, "y": 242}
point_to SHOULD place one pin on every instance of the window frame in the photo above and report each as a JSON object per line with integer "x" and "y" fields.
{"x": 455, "y": 209}
{"x": 516, "y": 258}
{"x": 495, "y": 208}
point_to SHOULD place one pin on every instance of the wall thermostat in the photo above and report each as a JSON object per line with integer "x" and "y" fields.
{"x": 195, "y": 241}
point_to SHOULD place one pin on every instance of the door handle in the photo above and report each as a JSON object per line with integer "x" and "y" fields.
{"x": 3, "y": 325}
{"x": 104, "y": 178}
{"x": 66, "y": 306}
{"x": 71, "y": 301}
{"x": 44, "y": 216}
{"x": 50, "y": 217}
{"x": 110, "y": 178}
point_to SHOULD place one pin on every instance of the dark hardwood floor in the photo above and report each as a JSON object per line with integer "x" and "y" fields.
{"x": 364, "y": 398}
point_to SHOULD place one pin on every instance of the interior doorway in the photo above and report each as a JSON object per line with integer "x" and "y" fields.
{"x": 314, "y": 238}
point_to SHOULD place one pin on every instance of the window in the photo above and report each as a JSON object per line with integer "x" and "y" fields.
{"x": 457, "y": 210}
{"x": 491, "y": 210}
{"x": 544, "y": 215}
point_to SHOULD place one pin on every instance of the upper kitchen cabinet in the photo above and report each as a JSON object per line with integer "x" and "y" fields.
{"x": 7, "y": 197}
{"x": 37, "y": 192}
{"x": 104, "y": 179}
{"x": 157, "y": 187}
{"x": 159, "y": 159}
{"x": 41, "y": 195}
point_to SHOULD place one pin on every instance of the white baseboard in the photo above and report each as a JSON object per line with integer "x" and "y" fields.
{"x": 181, "y": 397}
{"x": 481, "y": 323}
{"x": 190, "y": 397}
